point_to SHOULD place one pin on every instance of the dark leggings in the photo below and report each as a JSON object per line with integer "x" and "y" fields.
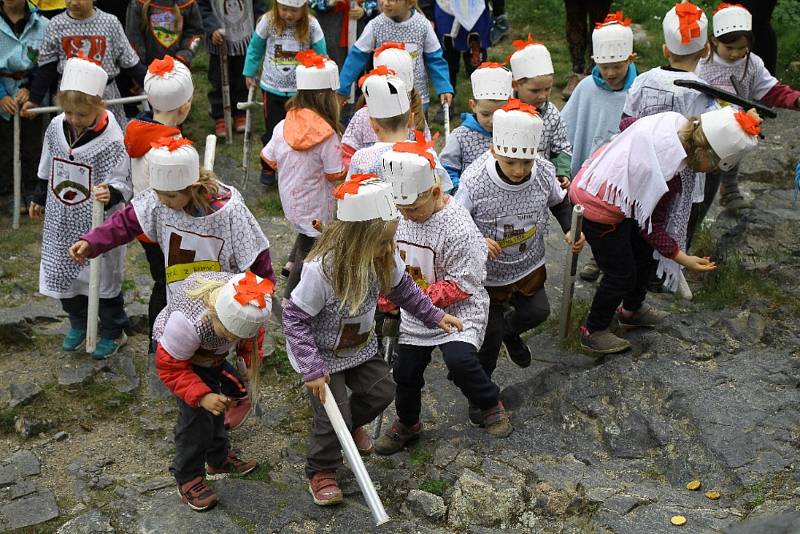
{"x": 581, "y": 18}
{"x": 111, "y": 313}
{"x": 158, "y": 296}
{"x": 302, "y": 246}
{"x": 766, "y": 43}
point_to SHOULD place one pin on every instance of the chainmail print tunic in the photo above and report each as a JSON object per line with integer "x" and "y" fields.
{"x": 71, "y": 177}
{"x": 516, "y": 216}
{"x": 448, "y": 246}
{"x": 359, "y": 133}
{"x": 278, "y": 73}
{"x": 554, "y": 134}
{"x": 236, "y": 18}
{"x": 753, "y": 78}
{"x": 184, "y": 327}
{"x": 228, "y": 240}
{"x": 654, "y": 92}
{"x": 676, "y": 226}
{"x": 417, "y": 34}
{"x": 370, "y": 160}
{"x": 99, "y": 38}
{"x": 344, "y": 340}
{"x": 464, "y": 145}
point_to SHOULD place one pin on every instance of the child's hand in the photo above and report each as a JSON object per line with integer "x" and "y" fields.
{"x": 446, "y": 98}
{"x": 342, "y": 99}
{"x": 695, "y": 263}
{"x": 9, "y": 105}
{"x": 35, "y": 211}
{"x": 251, "y": 82}
{"x": 317, "y": 387}
{"x": 576, "y": 247}
{"x": 217, "y": 38}
{"x": 25, "y": 107}
{"x": 564, "y": 181}
{"x": 448, "y": 323}
{"x": 22, "y": 96}
{"x": 494, "y": 248}
{"x": 102, "y": 194}
{"x": 215, "y": 403}
{"x": 357, "y": 12}
{"x": 79, "y": 251}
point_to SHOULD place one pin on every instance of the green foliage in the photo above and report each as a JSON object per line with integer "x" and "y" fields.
{"x": 437, "y": 487}
{"x": 270, "y": 202}
{"x": 420, "y": 456}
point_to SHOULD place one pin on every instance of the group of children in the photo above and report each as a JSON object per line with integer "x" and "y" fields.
{"x": 457, "y": 243}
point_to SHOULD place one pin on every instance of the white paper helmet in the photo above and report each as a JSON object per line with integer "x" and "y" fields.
{"x": 386, "y": 95}
{"x": 364, "y": 197}
{"x": 168, "y": 84}
{"x": 731, "y": 18}
{"x": 84, "y": 76}
{"x": 612, "y": 40}
{"x": 292, "y": 3}
{"x": 316, "y": 71}
{"x": 244, "y": 304}
{"x": 410, "y": 175}
{"x": 490, "y": 81}
{"x": 395, "y": 56}
{"x": 530, "y": 60}
{"x": 685, "y": 29}
{"x": 516, "y": 130}
{"x": 730, "y": 133}
{"x": 173, "y": 164}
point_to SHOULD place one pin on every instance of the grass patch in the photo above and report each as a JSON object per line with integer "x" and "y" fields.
{"x": 420, "y": 456}
{"x": 704, "y": 243}
{"x": 437, "y": 487}
{"x": 580, "y": 309}
{"x": 260, "y": 473}
{"x": 7, "y": 421}
{"x": 270, "y": 204}
{"x": 279, "y": 361}
{"x": 654, "y": 473}
{"x": 246, "y": 524}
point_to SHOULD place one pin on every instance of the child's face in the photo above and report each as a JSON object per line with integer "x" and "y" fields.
{"x": 81, "y": 117}
{"x": 515, "y": 169}
{"x": 174, "y": 200}
{"x": 79, "y": 9}
{"x": 535, "y": 91}
{"x": 421, "y": 211}
{"x": 288, "y": 14}
{"x": 484, "y": 111}
{"x": 14, "y": 4}
{"x": 395, "y": 8}
{"x": 733, "y": 51}
{"x": 614, "y": 73}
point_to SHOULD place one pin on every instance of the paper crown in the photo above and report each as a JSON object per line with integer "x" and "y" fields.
{"x": 516, "y": 130}
{"x": 386, "y": 95}
{"x": 730, "y": 133}
{"x": 612, "y": 39}
{"x": 731, "y": 18}
{"x": 490, "y": 81}
{"x": 363, "y": 197}
{"x": 530, "y": 60}
{"x": 244, "y": 304}
{"x": 409, "y": 167}
{"x": 168, "y": 84}
{"x": 316, "y": 71}
{"x": 84, "y": 76}
{"x": 685, "y": 29}
{"x": 396, "y": 57}
{"x": 292, "y": 3}
{"x": 173, "y": 164}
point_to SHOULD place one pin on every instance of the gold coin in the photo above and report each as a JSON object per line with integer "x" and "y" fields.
{"x": 713, "y": 495}
{"x": 694, "y": 485}
{"x": 678, "y": 520}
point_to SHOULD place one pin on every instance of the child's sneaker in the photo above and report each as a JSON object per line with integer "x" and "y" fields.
{"x": 644, "y": 317}
{"x": 239, "y": 123}
{"x": 499, "y": 29}
{"x": 197, "y": 495}
{"x": 590, "y": 271}
{"x": 324, "y": 488}
{"x": 397, "y": 437}
{"x": 106, "y": 348}
{"x": 475, "y": 415}
{"x": 734, "y": 201}
{"x": 603, "y": 342}
{"x": 238, "y": 412}
{"x": 363, "y": 441}
{"x": 496, "y": 421}
{"x": 73, "y": 340}
{"x": 231, "y": 465}
{"x": 517, "y": 349}
{"x": 219, "y": 128}
{"x": 267, "y": 178}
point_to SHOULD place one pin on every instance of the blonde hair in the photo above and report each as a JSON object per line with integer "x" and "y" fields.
{"x": 77, "y": 99}
{"x": 394, "y": 124}
{"x": 301, "y": 29}
{"x": 322, "y": 102}
{"x": 354, "y": 256}
{"x": 416, "y": 108}
{"x": 425, "y": 195}
{"x": 695, "y": 142}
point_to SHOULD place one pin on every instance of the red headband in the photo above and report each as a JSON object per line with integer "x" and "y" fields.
{"x": 419, "y": 147}
{"x": 249, "y": 289}
{"x": 160, "y": 67}
{"x": 689, "y": 21}
{"x": 170, "y": 143}
{"x": 614, "y": 18}
{"x": 491, "y": 65}
{"x": 381, "y": 70}
{"x": 309, "y": 58}
{"x": 352, "y": 184}
{"x": 386, "y": 46}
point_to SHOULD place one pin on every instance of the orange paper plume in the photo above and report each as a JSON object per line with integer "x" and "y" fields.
{"x": 491, "y": 65}
{"x": 614, "y": 18}
{"x": 170, "y": 143}
{"x": 352, "y": 184}
{"x": 723, "y": 5}
{"x": 689, "y": 21}
{"x": 386, "y": 46}
{"x": 749, "y": 123}
{"x": 249, "y": 289}
{"x": 419, "y": 147}
{"x": 160, "y": 67}
{"x": 381, "y": 70}
{"x": 309, "y": 58}
{"x": 515, "y": 104}
{"x": 519, "y": 44}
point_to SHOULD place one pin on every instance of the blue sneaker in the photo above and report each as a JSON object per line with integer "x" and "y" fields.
{"x": 108, "y": 347}
{"x": 73, "y": 340}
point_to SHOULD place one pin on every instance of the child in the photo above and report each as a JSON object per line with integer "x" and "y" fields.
{"x": 507, "y": 191}
{"x": 21, "y": 32}
{"x": 83, "y": 158}
{"x": 228, "y": 27}
{"x": 359, "y": 134}
{"x": 210, "y": 314}
{"x": 731, "y": 57}
{"x": 592, "y": 114}
{"x": 334, "y": 17}
{"x": 401, "y": 22}
{"x": 462, "y": 42}
{"x": 169, "y": 89}
{"x": 630, "y": 190}
{"x": 280, "y": 34}
{"x": 328, "y": 322}
{"x": 305, "y": 148}
{"x": 445, "y": 255}
{"x": 533, "y": 71}
{"x": 491, "y": 89}
{"x": 85, "y": 31}
{"x": 156, "y": 29}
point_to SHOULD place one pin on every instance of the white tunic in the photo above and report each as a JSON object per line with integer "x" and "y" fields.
{"x": 752, "y": 77}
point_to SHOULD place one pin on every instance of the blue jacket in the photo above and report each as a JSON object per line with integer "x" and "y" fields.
{"x": 19, "y": 53}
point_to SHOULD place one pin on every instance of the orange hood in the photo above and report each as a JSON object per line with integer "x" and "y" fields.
{"x": 305, "y": 129}
{"x": 139, "y": 134}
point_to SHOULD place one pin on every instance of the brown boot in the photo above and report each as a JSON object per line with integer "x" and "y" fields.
{"x": 197, "y": 495}
{"x": 324, "y": 488}
{"x": 363, "y": 441}
{"x": 496, "y": 421}
{"x": 397, "y": 437}
{"x": 603, "y": 342}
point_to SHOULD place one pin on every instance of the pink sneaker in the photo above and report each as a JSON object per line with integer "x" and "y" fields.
{"x": 238, "y": 413}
